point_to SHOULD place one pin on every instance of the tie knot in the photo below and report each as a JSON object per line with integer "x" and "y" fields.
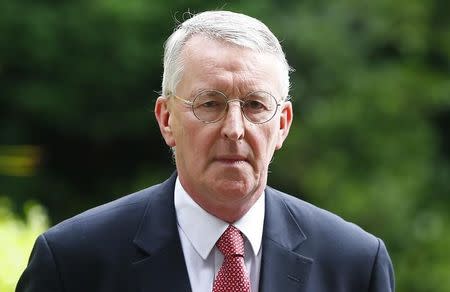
{"x": 231, "y": 242}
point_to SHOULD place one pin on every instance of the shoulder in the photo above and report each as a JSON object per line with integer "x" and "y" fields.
{"x": 102, "y": 238}
{"x": 342, "y": 251}
{"x": 118, "y": 219}
{"x": 324, "y": 228}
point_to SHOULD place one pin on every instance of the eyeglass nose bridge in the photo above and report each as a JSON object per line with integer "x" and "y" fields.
{"x": 241, "y": 102}
{"x": 227, "y": 108}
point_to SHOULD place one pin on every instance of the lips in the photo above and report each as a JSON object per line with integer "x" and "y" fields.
{"x": 231, "y": 159}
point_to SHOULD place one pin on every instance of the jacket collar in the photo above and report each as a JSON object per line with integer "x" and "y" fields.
{"x": 162, "y": 266}
{"x": 283, "y": 268}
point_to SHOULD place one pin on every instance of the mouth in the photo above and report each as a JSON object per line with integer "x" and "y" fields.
{"x": 232, "y": 159}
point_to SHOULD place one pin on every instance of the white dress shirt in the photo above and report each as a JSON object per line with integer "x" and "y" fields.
{"x": 199, "y": 232}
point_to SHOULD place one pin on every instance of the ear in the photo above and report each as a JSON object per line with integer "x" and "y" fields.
{"x": 163, "y": 116}
{"x": 286, "y": 117}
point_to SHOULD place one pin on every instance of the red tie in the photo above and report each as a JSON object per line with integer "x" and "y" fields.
{"x": 232, "y": 276}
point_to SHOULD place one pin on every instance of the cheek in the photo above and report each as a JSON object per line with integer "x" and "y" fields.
{"x": 272, "y": 143}
{"x": 183, "y": 130}
{"x": 264, "y": 144}
{"x": 196, "y": 143}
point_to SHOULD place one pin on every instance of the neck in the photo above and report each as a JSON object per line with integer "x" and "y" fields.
{"x": 229, "y": 211}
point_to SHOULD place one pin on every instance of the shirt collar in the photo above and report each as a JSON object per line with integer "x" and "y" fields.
{"x": 195, "y": 222}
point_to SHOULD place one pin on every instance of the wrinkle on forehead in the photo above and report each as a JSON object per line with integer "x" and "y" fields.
{"x": 234, "y": 70}
{"x": 236, "y": 84}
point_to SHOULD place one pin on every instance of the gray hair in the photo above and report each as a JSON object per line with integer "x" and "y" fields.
{"x": 231, "y": 27}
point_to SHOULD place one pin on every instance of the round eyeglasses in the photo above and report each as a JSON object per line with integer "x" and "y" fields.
{"x": 210, "y": 106}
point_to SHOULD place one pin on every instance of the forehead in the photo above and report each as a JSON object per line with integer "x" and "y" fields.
{"x": 215, "y": 64}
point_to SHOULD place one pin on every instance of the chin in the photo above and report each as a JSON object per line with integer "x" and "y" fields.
{"x": 232, "y": 183}
{"x": 233, "y": 189}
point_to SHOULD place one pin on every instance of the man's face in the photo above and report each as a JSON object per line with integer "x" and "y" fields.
{"x": 223, "y": 165}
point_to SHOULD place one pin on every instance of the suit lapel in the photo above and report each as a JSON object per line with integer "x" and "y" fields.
{"x": 282, "y": 268}
{"x": 160, "y": 264}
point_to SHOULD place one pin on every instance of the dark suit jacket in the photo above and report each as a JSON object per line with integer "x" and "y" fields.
{"x": 132, "y": 244}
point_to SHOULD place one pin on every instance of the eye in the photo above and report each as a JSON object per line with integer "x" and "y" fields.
{"x": 259, "y": 102}
{"x": 255, "y": 105}
{"x": 210, "y": 104}
{"x": 210, "y": 101}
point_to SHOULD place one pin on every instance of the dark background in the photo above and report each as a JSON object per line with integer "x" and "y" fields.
{"x": 371, "y": 133}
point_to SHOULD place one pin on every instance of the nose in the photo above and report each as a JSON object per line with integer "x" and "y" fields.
{"x": 233, "y": 122}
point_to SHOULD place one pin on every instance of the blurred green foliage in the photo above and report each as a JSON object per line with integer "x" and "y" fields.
{"x": 371, "y": 134}
{"x": 16, "y": 240}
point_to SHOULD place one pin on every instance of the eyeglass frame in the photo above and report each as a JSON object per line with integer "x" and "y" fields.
{"x": 227, "y": 100}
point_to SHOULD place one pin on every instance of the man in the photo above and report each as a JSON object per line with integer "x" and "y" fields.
{"x": 214, "y": 225}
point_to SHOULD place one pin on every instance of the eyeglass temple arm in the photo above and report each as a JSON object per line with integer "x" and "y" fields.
{"x": 287, "y": 98}
{"x": 182, "y": 99}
